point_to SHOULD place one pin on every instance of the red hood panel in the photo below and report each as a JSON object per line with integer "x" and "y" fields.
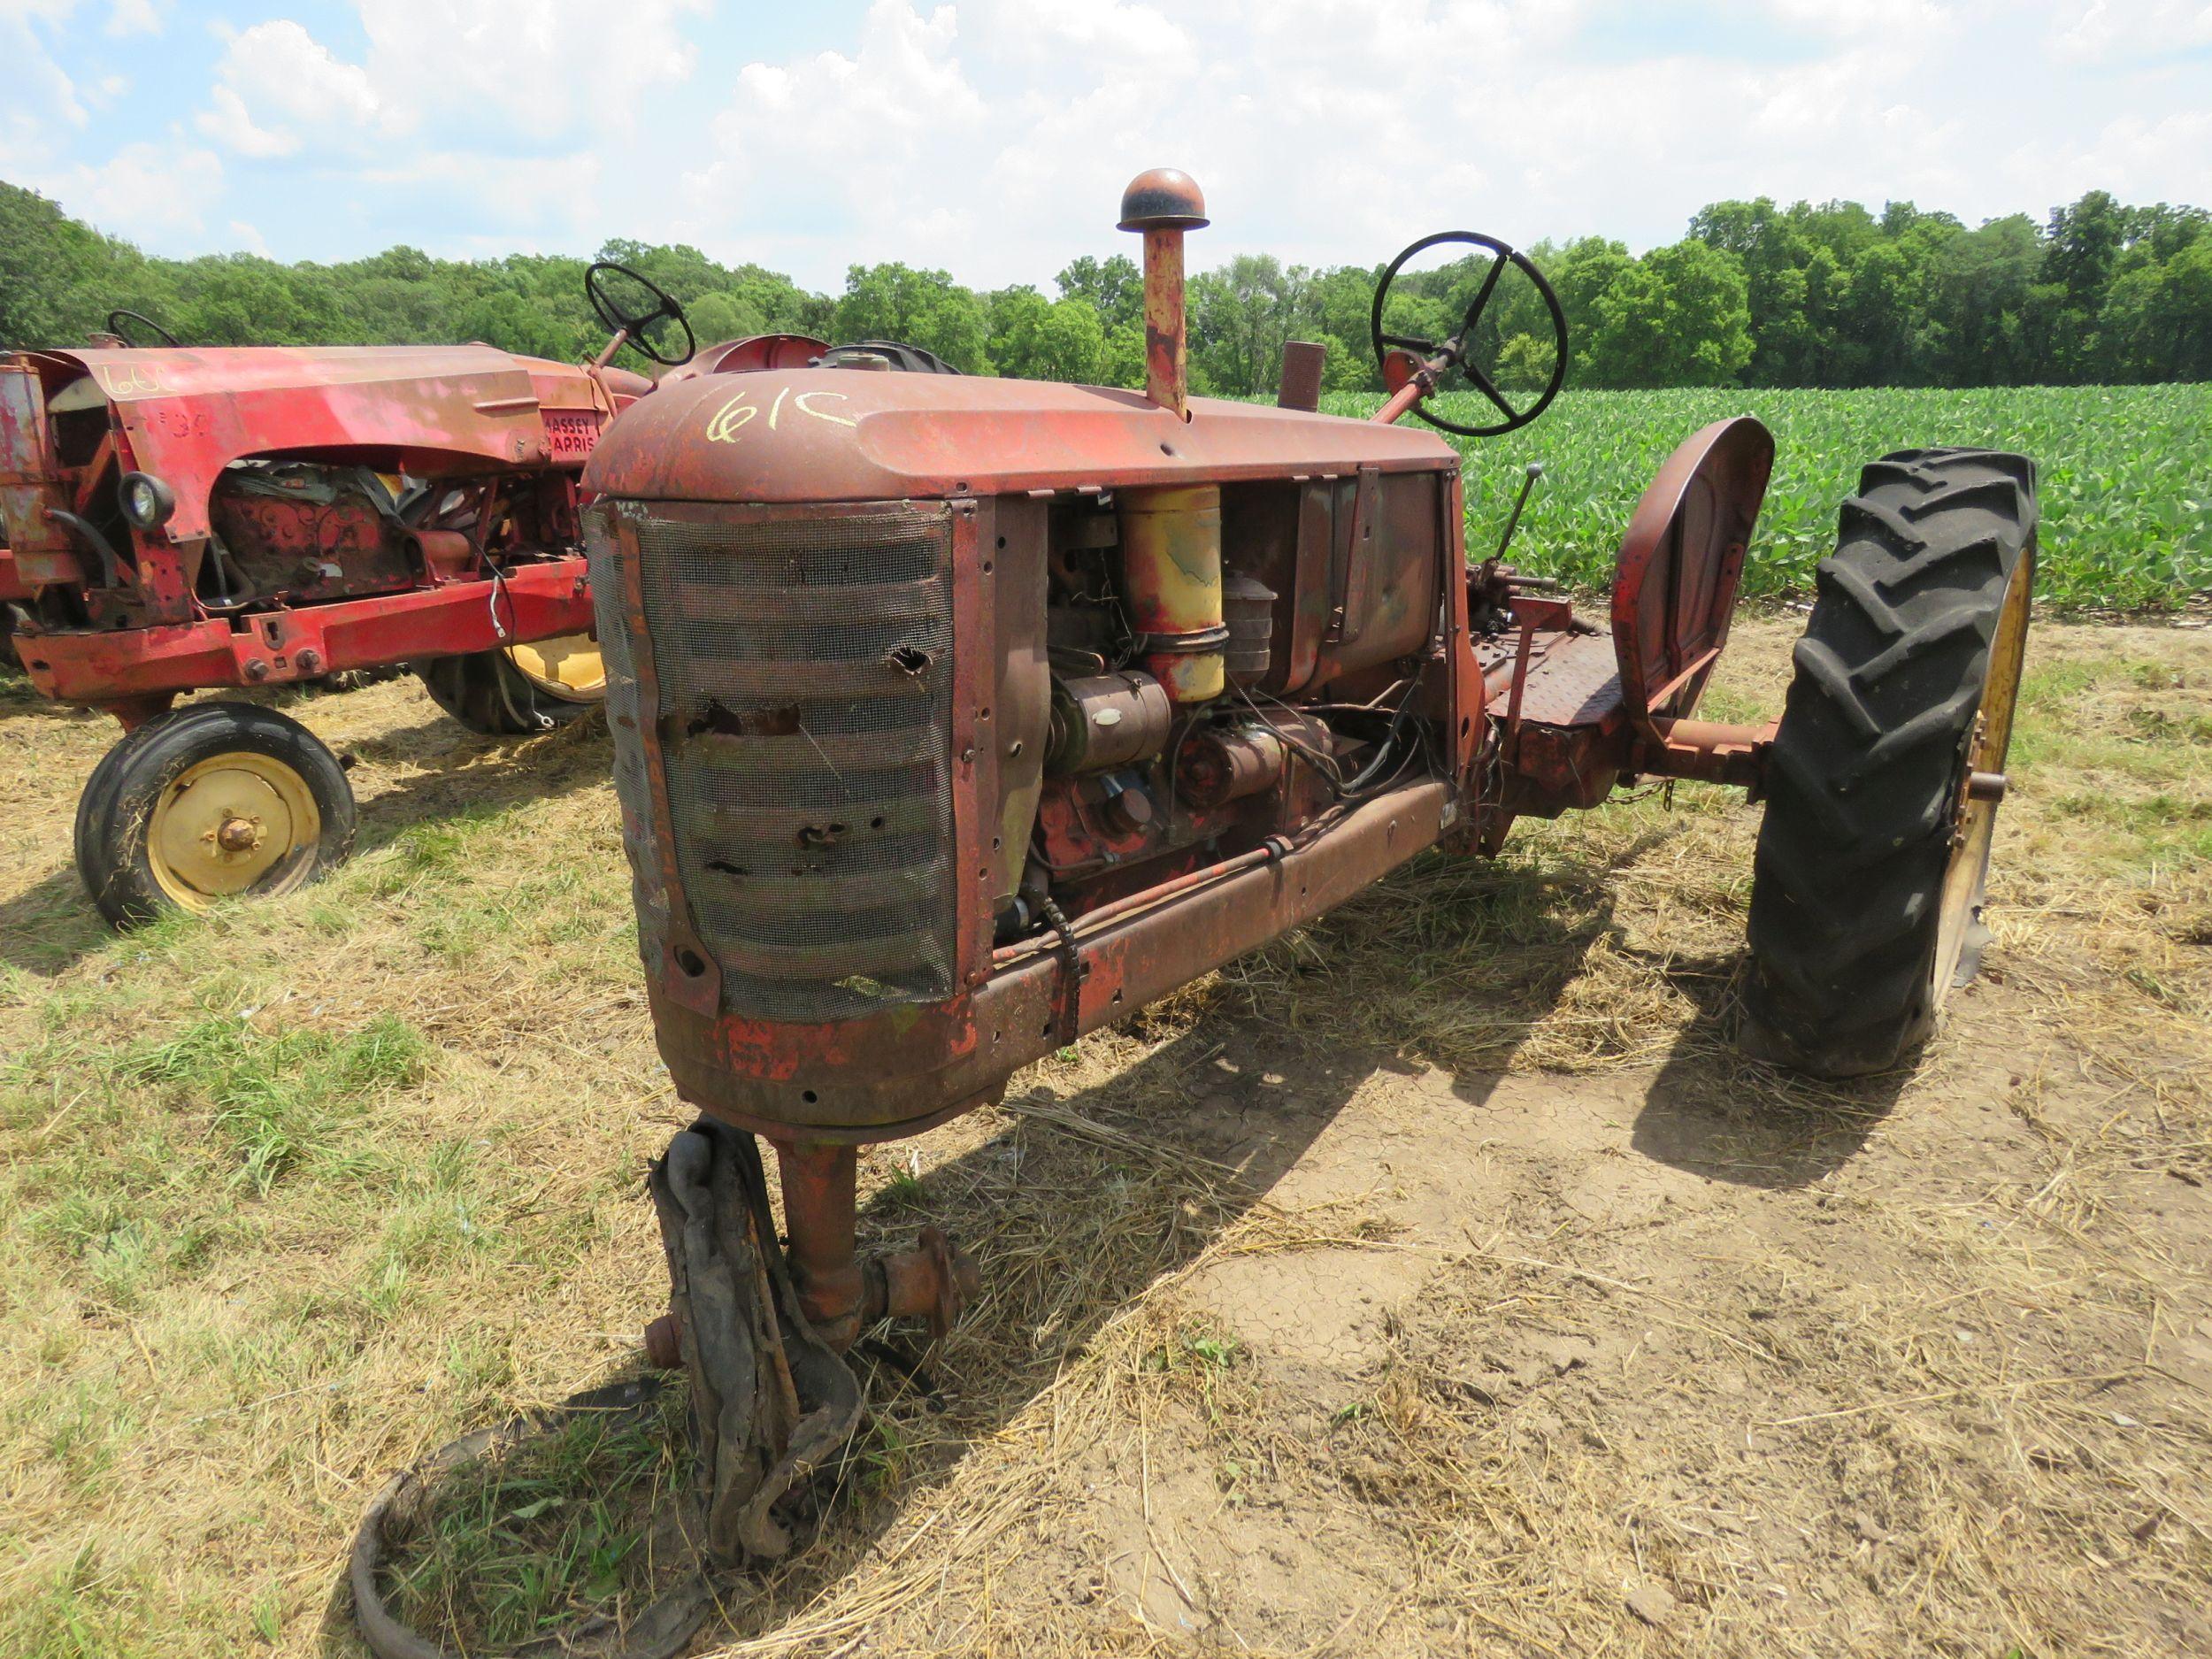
{"x": 843, "y": 435}
{"x": 187, "y": 413}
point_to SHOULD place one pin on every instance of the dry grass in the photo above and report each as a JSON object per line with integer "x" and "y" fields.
{"x": 1427, "y": 1283}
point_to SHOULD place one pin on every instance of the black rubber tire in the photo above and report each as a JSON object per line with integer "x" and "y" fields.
{"x": 119, "y": 797}
{"x": 1864, "y": 782}
{"x": 487, "y": 693}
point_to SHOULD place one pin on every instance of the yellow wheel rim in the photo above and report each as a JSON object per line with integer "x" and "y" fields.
{"x": 569, "y": 668}
{"x": 231, "y": 823}
{"x": 1966, "y": 879}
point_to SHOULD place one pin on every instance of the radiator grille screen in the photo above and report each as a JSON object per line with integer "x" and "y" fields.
{"x": 805, "y": 704}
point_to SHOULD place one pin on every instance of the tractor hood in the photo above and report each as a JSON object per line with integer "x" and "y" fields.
{"x": 185, "y": 413}
{"x": 848, "y": 435}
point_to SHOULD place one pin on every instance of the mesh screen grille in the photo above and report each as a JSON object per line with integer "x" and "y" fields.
{"x": 805, "y": 701}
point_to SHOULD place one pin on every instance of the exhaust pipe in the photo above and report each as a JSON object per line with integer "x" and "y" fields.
{"x": 1163, "y": 203}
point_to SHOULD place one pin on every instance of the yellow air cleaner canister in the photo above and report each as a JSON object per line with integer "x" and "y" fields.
{"x": 1170, "y": 562}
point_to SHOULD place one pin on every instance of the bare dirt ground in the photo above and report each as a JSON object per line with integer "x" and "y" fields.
{"x": 1438, "y": 1281}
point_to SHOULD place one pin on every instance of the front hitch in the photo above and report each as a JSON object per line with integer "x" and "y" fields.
{"x": 770, "y": 1400}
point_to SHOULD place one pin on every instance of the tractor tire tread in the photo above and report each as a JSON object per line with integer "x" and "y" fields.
{"x": 1847, "y": 891}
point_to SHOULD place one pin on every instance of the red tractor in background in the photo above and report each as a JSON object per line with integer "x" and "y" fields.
{"x": 954, "y": 718}
{"x": 176, "y": 518}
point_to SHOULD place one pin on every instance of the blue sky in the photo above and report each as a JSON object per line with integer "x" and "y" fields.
{"x": 991, "y": 137}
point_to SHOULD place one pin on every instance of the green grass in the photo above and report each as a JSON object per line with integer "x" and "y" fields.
{"x": 2126, "y": 476}
{"x": 283, "y": 1098}
{"x": 560, "y": 1528}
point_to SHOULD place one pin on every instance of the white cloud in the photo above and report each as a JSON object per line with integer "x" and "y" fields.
{"x": 2107, "y": 29}
{"x": 144, "y": 188}
{"x": 42, "y": 110}
{"x": 995, "y": 138}
{"x": 230, "y": 125}
{"x": 279, "y": 88}
{"x": 859, "y": 132}
{"x": 556, "y": 63}
{"x": 1883, "y": 19}
{"x": 250, "y": 237}
{"x": 134, "y": 17}
{"x": 434, "y": 66}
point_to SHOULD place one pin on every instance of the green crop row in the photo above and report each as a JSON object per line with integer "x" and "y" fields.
{"x": 2126, "y": 476}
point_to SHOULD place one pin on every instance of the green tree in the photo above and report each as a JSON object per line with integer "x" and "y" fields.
{"x": 1123, "y": 356}
{"x": 1679, "y": 316}
{"x": 1034, "y": 338}
{"x": 1240, "y": 316}
{"x": 722, "y": 315}
{"x": 1524, "y": 363}
{"x": 919, "y": 308}
{"x": 1114, "y": 287}
{"x": 244, "y": 300}
{"x": 58, "y": 277}
{"x": 2157, "y": 317}
{"x": 1827, "y": 293}
{"x": 506, "y": 320}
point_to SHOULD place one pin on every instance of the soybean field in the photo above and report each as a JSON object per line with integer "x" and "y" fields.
{"x": 2126, "y": 477}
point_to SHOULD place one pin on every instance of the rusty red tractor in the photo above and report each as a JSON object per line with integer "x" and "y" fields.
{"x": 174, "y": 519}
{"x": 956, "y": 717}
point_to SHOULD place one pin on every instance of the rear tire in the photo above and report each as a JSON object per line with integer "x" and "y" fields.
{"x": 488, "y": 694}
{"x": 1867, "y": 889}
{"x": 211, "y": 801}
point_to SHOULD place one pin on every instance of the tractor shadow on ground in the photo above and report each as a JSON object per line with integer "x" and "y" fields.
{"x": 1713, "y": 1110}
{"x": 453, "y": 773}
{"x": 50, "y": 925}
{"x": 1077, "y": 1205}
{"x": 1072, "y": 1210}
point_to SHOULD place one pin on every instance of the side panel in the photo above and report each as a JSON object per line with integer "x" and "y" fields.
{"x": 1386, "y": 587}
{"x": 1013, "y": 566}
{"x": 1357, "y": 577}
{"x": 41, "y": 549}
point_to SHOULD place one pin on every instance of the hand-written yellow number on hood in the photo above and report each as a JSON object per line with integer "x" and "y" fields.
{"x": 725, "y": 424}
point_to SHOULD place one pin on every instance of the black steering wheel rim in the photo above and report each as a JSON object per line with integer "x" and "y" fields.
{"x": 633, "y": 328}
{"x": 116, "y": 319}
{"x": 1503, "y": 254}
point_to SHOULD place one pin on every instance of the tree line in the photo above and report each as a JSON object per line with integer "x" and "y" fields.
{"x": 1756, "y": 294}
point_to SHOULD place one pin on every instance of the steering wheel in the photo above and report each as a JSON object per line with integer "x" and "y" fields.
{"x": 633, "y": 327}
{"x": 117, "y": 318}
{"x": 1454, "y": 348}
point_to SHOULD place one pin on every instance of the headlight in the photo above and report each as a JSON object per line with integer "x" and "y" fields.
{"x": 147, "y": 500}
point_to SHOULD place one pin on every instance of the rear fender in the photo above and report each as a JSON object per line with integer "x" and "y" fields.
{"x": 747, "y": 356}
{"x": 1674, "y": 587}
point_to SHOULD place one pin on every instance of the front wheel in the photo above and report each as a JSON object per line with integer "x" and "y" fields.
{"x": 519, "y": 689}
{"x": 1887, "y": 773}
{"x": 213, "y": 800}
